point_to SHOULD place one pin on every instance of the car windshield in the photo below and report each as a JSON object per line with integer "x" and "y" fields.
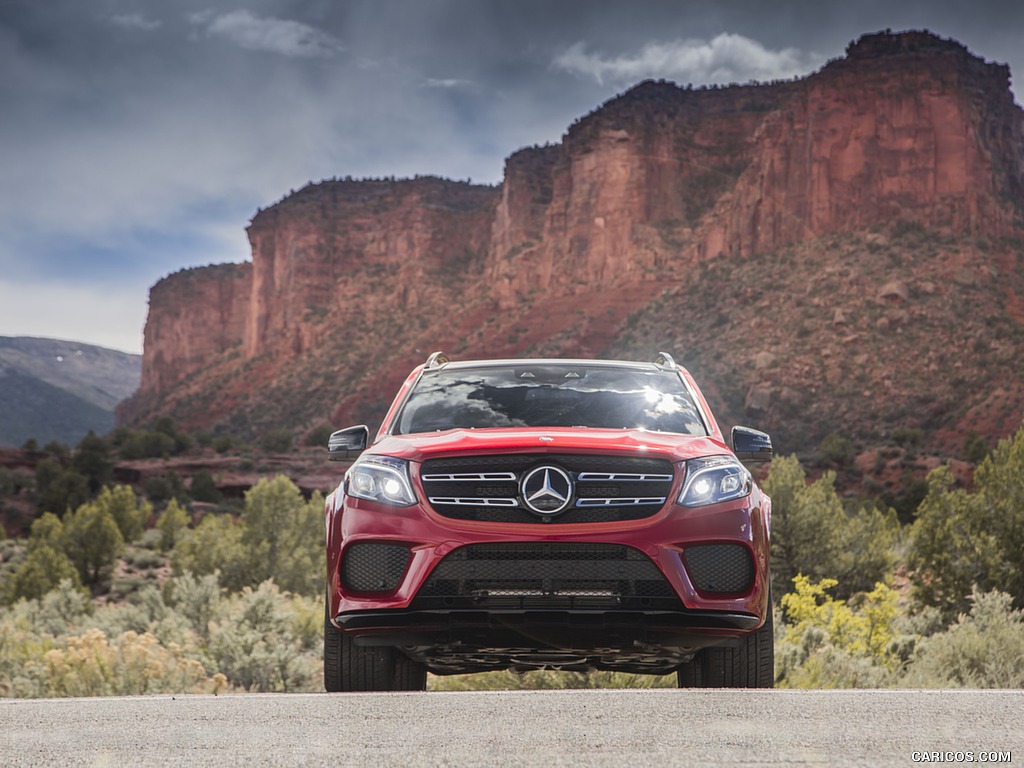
{"x": 546, "y": 395}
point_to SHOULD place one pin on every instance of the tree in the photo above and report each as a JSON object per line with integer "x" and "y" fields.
{"x": 128, "y": 511}
{"x": 59, "y": 489}
{"x": 165, "y": 425}
{"x": 166, "y": 487}
{"x": 214, "y": 546}
{"x": 283, "y": 535}
{"x": 813, "y": 535}
{"x": 204, "y": 488}
{"x": 46, "y": 564}
{"x": 92, "y": 541}
{"x": 92, "y": 460}
{"x": 280, "y": 537}
{"x": 172, "y": 521}
{"x": 7, "y": 484}
{"x": 961, "y": 540}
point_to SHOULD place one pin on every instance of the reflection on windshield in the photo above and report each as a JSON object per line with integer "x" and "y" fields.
{"x": 550, "y": 396}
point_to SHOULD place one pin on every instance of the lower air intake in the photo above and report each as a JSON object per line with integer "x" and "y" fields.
{"x": 720, "y": 568}
{"x": 372, "y": 567}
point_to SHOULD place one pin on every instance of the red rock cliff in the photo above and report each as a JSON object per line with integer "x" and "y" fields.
{"x": 195, "y": 317}
{"x": 353, "y": 282}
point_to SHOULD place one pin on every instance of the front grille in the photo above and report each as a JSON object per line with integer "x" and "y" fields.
{"x": 607, "y": 488}
{"x": 720, "y": 568}
{"x": 547, "y": 575}
{"x": 373, "y": 567}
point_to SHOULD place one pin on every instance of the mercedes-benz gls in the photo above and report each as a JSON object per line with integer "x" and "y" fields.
{"x": 559, "y": 514}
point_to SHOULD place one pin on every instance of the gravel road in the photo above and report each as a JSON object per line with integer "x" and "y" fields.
{"x": 517, "y": 728}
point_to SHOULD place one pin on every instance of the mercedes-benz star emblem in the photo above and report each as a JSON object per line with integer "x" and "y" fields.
{"x": 546, "y": 490}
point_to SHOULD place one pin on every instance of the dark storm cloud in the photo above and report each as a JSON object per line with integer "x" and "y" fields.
{"x": 138, "y": 137}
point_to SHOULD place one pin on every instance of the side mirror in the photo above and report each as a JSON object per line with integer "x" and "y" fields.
{"x": 751, "y": 446}
{"x": 347, "y": 444}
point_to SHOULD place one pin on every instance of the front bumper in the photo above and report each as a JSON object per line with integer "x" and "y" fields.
{"x": 695, "y": 618}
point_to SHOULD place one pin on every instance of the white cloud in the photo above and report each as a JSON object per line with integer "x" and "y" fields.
{"x": 725, "y": 59}
{"x": 434, "y": 82}
{"x": 257, "y": 33}
{"x": 136, "y": 21}
{"x": 110, "y": 316}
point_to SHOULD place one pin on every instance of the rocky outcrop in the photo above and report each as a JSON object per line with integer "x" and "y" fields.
{"x": 322, "y": 252}
{"x": 908, "y": 127}
{"x": 196, "y": 316}
{"x": 353, "y": 282}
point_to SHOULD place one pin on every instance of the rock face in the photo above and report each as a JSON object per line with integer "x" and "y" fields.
{"x": 195, "y": 316}
{"x": 352, "y": 283}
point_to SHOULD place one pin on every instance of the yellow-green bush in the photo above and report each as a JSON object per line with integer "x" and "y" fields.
{"x": 826, "y": 643}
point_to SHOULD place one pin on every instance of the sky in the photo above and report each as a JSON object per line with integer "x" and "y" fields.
{"x": 139, "y": 137}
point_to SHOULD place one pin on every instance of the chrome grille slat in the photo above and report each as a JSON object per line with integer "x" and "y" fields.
{"x": 625, "y": 502}
{"x": 607, "y": 487}
{"x": 466, "y": 477}
{"x": 459, "y": 501}
{"x": 631, "y": 476}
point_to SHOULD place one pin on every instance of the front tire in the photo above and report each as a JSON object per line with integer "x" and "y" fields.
{"x": 349, "y": 667}
{"x": 750, "y": 665}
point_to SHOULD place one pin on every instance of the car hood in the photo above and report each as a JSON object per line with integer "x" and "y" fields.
{"x": 673, "y": 447}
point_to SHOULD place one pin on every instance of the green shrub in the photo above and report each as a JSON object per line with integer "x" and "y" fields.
{"x": 984, "y": 649}
{"x": 277, "y": 441}
{"x": 318, "y": 436}
{"x": 908, "y": 438}
{"x": 837, "y": 450}
{"x": 203, "y": 488}
{"x": 976, "y": 448}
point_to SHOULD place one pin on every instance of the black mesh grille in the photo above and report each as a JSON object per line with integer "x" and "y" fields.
{"x": 614, "y": 478}
{"x": 720, "y": 568}
{"x": 547, "y": 575}
{"x": 370, "y": 567}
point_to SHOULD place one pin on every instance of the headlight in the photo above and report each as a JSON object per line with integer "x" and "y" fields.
{"x": 714, "y": 479}
{"x": 382, "y": 479}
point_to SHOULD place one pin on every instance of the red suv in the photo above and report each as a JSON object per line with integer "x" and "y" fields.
{"x": 548, "y": 514}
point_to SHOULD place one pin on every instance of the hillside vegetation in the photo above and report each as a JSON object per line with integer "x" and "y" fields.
{"x": 172, "y": 588}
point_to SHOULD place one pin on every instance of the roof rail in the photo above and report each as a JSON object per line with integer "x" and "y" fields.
{"x": 436, "y": 360}
{"x": 664, "y": 360}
